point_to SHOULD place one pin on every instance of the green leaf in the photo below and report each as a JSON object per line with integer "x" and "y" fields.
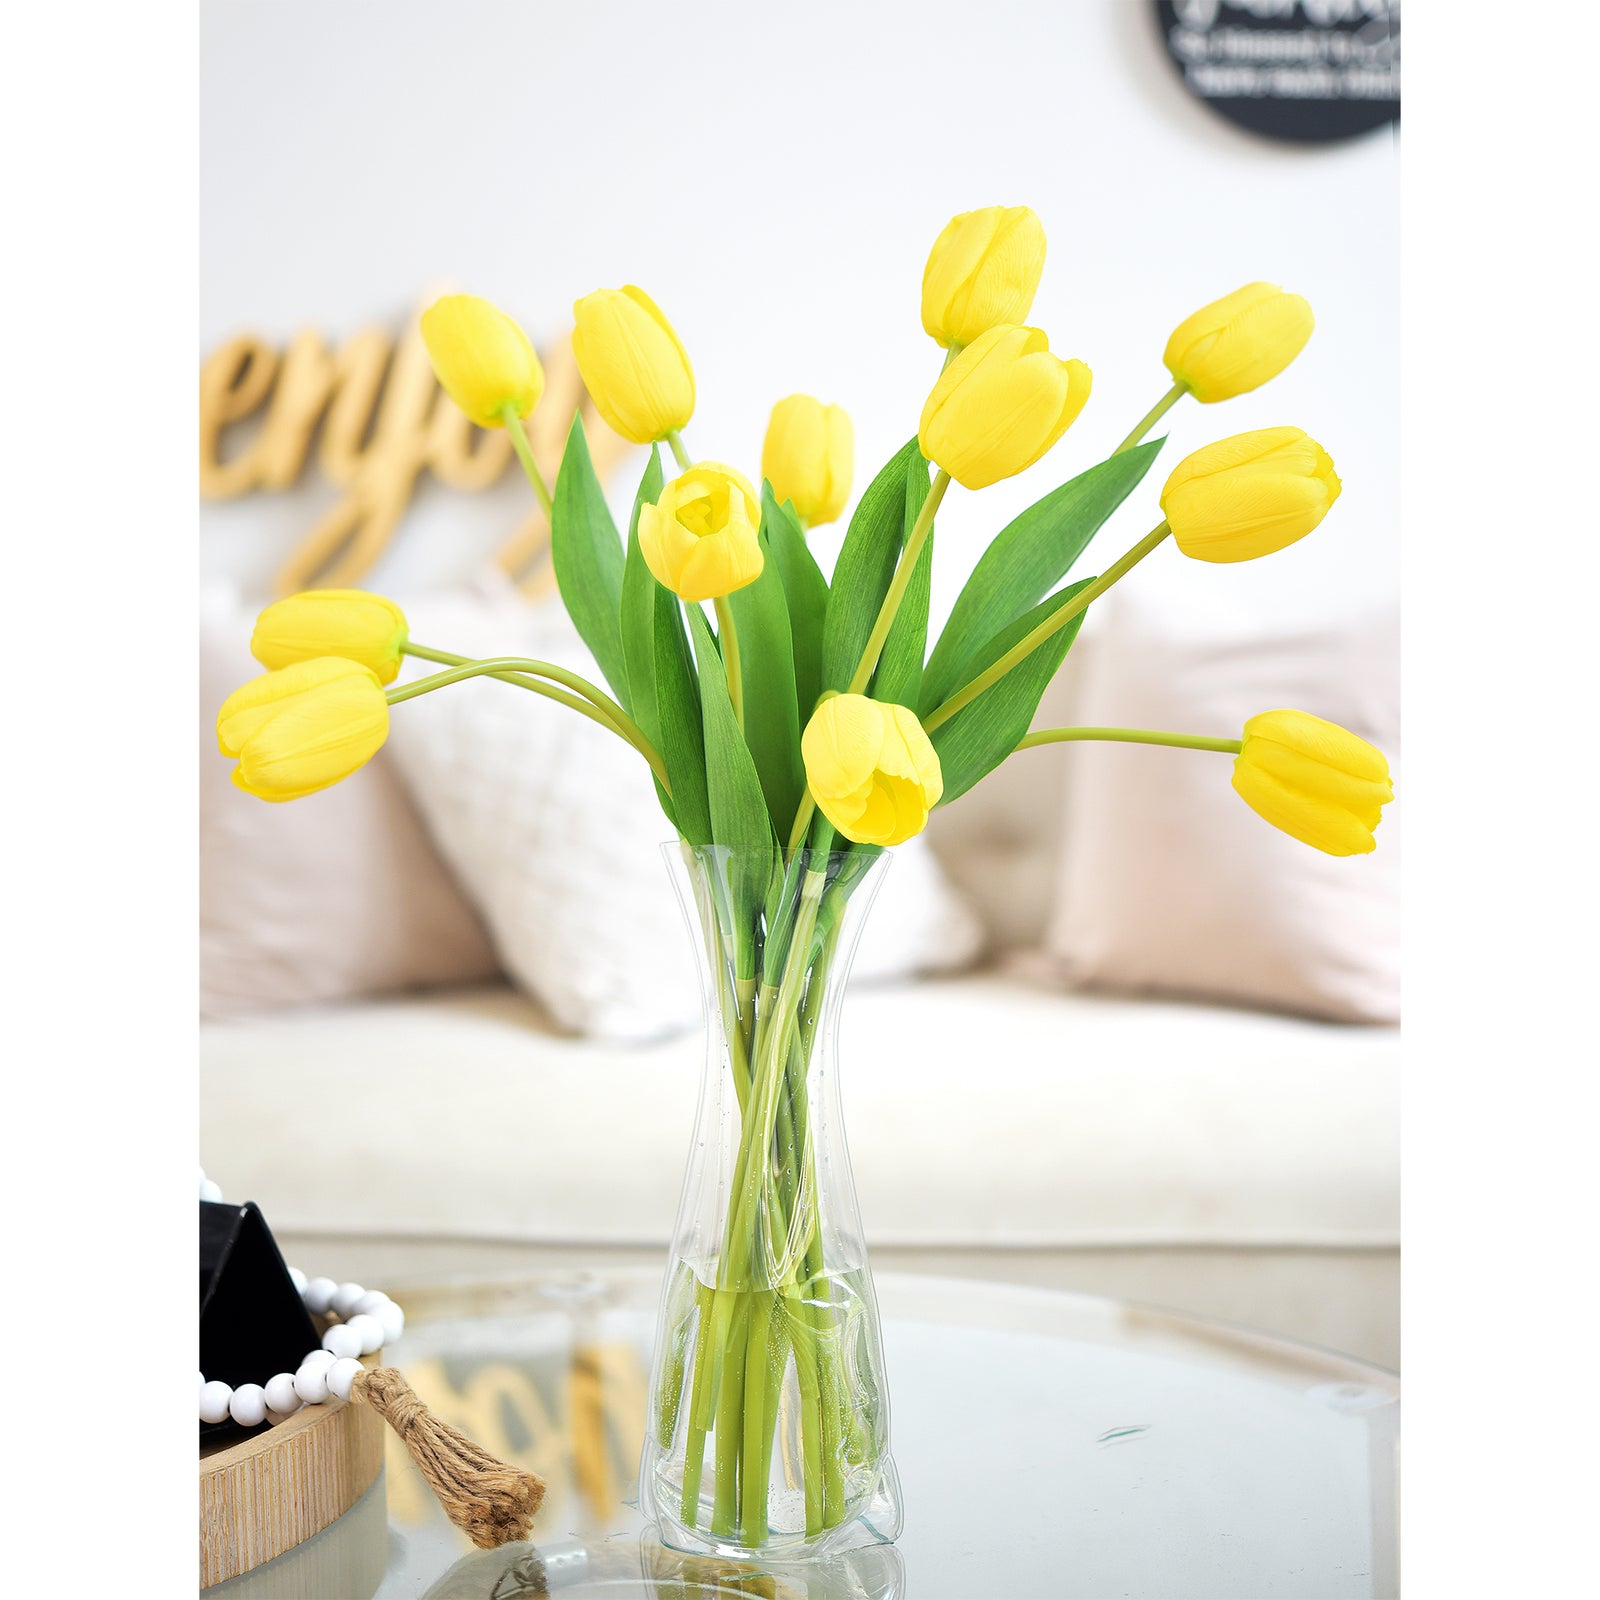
{"x": 866, "y": 563}
{"x": 682, "y": 743}
{"x": 805, "y": 590}
{"x": 899, "y": 675}
{"x": 638, "y": 610}
{"x": 739, "y": 818}
{"x": 1027, "y": 559}
{"x": 587, "y": 555}
{"x": 771, "y": 709}
{"x": 981, "y": 735}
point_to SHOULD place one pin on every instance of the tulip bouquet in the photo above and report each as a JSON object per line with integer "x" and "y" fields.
{"x": 793, "y": 732}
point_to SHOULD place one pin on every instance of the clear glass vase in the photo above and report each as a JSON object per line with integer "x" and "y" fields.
{"x": 768, "y": 1429}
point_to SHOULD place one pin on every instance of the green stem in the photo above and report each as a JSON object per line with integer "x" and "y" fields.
{"x": 519, "y": 443}
{"x": 755, "y": 1452}
{"x": 679, "y": 454}
{"x": 593, "y": 693}
{"x": 1178, "y": 741}
{"x": 694, "y": 1459}
{"x": 728, "y": 637}
{"x": 899, "y": 583}
{"x": 1152, "y": 417}
{"x": 516, "y": 670}
{"x": 729, "y": 1429}
{"x": 1031, "y": 642}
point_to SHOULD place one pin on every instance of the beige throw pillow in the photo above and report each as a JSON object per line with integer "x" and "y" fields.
{"x": 1169, "y": 882}
{"x": 333, "y": 897}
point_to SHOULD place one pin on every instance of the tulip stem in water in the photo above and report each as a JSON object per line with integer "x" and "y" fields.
{"x": 729, "y": 639}
{"x": 1178, "y": 741}
{"x": 679, "y": 453}
{"x": 519, "y": 443}
{"x": 526, "y": 674}
{"x": 1152, "y": 417}
{"x": 1025, "y": 646}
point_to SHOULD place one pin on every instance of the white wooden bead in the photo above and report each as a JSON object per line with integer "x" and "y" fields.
{"x": 369, "y": 1302}
{"x": 318, "y": 1360}
{"x": 215, "y": 1398}
{"x": 318, "y": 1295}
{"x": 280, "y": 1393}
{"x": 393, "y": 1320}
{"x": 311, "y": 1384}
{"x": 344, "y": 1299}
{"x": 249, "y": 1405}
{"x": 341, "y": 1341}
{"x": 341, "y": 1375}
{"x": 298, "y": 1279}
{"x": 368, "y": 1330}
{"x": 277, "y": 1417}
{"x": 211, "y": 1191}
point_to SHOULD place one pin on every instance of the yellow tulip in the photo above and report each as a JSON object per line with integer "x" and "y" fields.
{"x": 871, "y": 769}
{"x": 700, "y": 537}
{"x": 482, "y": 359}
{"x": 349, "y": 623}
{"x": 303, "y": 727}
{"x": 1000, "y": 405}
{"x": 1249, "y": 495}
{"x": 1315, "y": 780}
{"x": 1237, "y": 343}
{"x": 809, "y": 456}
{"x": 633, "y": 364}
{"x": 984, "y": 269}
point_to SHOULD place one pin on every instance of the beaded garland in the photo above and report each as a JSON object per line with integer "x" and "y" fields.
{"x": 368, "y": 1320}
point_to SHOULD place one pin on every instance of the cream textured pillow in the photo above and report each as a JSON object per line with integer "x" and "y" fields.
{"x": 553, "y": 826}
{"x": 1169, "y": 882}
{"x": 332, "y": 897}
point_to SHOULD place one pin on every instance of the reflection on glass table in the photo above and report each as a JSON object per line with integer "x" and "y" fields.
{"x": 1050, "y": 1446}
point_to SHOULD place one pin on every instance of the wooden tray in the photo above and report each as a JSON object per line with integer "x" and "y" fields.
{"x": 268, "y": 1493}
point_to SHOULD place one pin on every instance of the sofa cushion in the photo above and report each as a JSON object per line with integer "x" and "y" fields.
{"x": 1026, "y": 1118}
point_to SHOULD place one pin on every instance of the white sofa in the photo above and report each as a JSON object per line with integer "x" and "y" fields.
{"x": 1229, "y": 1162}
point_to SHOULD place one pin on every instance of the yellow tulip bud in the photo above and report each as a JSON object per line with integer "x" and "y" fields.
{"x": 1315, "y": 780}
{"x": 809, "y": 456}
{"x": 349, "y": 623}
{"x": 633, "y": 364}
{"x": 1237, "y": 343}
{"x": 482, "y": 359}
{"x": 1000, "y": 405}
{"x": 303, "y": 727}
{"x": 700, "y": 537}
{"x": 871, "y": 768}
{"x": 984, "y": 269}
{"x": 1249, "y": 495}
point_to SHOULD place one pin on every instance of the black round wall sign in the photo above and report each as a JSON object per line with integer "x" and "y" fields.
{"x": 1304, "y": 71}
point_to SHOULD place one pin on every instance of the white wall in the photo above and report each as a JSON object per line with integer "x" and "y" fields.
{"x": 774, "y": 176}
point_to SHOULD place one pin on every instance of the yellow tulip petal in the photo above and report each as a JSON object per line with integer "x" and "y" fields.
{"x": 482, "y": 358}
{"x": 983, "y": 270}
{"x": 1239, "y": 342}
{"x": 1313, "y": 779}
{"x": 1000, "y": 405}
{"x": 349, "y": 623}
{"x": 633, "y": 363}
{"x": 1249, "y": 495}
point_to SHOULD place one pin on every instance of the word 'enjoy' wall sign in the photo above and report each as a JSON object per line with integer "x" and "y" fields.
{"x": 1306, "y": 71}
{"x": 383, "y": 421}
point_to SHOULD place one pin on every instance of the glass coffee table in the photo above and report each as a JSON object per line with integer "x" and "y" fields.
{"x": 1050, "y": 1447}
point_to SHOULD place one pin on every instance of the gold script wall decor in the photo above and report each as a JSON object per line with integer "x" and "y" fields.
{"x": 384, "y": 421}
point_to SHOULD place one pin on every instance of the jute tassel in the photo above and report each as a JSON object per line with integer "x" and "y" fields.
{"x": 491, "y": 1502}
